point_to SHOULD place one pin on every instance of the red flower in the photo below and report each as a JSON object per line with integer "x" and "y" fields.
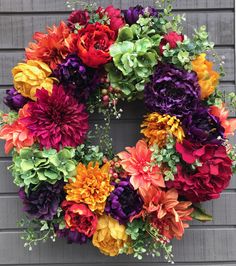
{"x": 57, "y": 120}
{"x": 116, "y": 20}
{"x": 209, "y": 179}
{"x": 78, "y": 217}
{"x": 52, "y": 47}
{"x": 78, "y": 16}
{"x": 93, "y": 44}
{"x": 171, "y": 38}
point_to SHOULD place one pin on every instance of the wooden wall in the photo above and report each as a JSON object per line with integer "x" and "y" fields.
{"x": 213, "y": 243}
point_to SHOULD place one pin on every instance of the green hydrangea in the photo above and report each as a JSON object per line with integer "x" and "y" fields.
{"x": 134, "y": 58}
{"x": 32, "y": 166}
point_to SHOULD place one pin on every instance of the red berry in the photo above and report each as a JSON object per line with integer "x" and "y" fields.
{"x": 105, "y": 98}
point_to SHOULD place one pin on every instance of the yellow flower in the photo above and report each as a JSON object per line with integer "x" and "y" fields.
{"x": 91, "y": 186}
{"x": 157, "y": 127}
{"x": 207, "y": 78}
{"x": 30, "y": 76}
{"x": 110, "y": 236}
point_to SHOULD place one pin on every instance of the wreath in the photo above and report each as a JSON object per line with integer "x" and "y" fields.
{"x": 71, "y": 183}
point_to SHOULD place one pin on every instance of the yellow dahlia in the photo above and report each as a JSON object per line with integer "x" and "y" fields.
{"x": 30, "y": 76}
{"x": 207, "y": 78}
{"x": 110, "y": 236}
{"x": 157, "y": 127}
{"x": 91, "y": 186}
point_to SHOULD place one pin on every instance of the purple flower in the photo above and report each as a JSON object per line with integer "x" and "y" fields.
{"x": 43, "y": 201}
{"x": 172, "y": 91}
{"x": 132, "y": 14}
{"x": 77, "y": 79}
{"x": 202, "y": 127}
{"x": 124, "y": 202}
{"x": 72, "y": 236}
{"x": 14, "y": 100}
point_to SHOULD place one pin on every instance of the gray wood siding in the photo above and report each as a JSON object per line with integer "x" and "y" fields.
{"x": 212, "y": 243}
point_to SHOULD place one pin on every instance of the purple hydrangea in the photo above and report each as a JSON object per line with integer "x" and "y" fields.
{"x": 43, "y": 201}
{"x": 77, "y": 79}
{"x": 14, "y": 100}
{"x": 72, "y": 236}
{"x": 131, "y": 15}
{"x": 172, "y": 91}
{"x": 203, "y": 127}
{"x": 124, "y": 202}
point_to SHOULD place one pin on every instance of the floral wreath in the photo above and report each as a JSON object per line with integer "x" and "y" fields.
{"x": 136, "y": 201}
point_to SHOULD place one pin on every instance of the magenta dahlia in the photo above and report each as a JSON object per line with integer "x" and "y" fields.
{"x": 57, "y": 120}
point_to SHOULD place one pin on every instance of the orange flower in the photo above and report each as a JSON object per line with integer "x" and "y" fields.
{"x": 208, "y": 79}
{"x": 16, "y": 134}
{"x": 156, "y": 128}
{"x": 137, "y": 163}
{"x": 228, "y": 124}
{"x": 91, "y": 186}
{"x": 52, "y": 47}
{"x": 166, "y": 212}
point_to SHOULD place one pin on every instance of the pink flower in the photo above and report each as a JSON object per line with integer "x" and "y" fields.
{"x": 137, "y": 163}
{"x": 57, "y": 120}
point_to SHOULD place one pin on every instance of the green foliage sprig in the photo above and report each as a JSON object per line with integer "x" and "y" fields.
{"x": 167, "y": 157}
{"x": 146, "y": 240}
{"x": 88, "y": 153}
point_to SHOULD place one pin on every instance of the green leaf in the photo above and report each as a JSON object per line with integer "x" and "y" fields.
{"x": 200, "y": 214}
{"x": 44, "y": 227}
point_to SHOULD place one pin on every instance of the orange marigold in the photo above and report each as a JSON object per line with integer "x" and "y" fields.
{"x": 208, "y": 79}
{"x": 91, "y": 186}
{"x": 52, "y": 47}
{"x": 157, "y": 127}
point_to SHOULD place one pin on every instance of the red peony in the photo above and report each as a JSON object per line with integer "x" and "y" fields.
{"x": 52, "y": 47}
{"x": 78, "y": 16}
{"x": 209, "y": 179}
{"x": 57, "y": 120}
{"x": 93, "y": 44}
{"x": 116, "y": 19}
{"x": 171, "y": 38}
{"x": 78, "y": 217}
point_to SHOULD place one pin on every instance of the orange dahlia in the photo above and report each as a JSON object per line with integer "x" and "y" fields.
{"x": 91, "y": 186}
{"x": 52, "y": 47}
{"x": 207, "y": 78}
{"x": 166, "y": 212}
{"x": 157, "y": 127}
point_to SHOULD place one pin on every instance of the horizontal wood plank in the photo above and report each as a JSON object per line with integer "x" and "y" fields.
{"x": 9, "y": 59}
{"x": 223, "y": 211}
{"x": 17, "y": 31}
{"x": 55, "y": 5}
{"x": 196, "y": 246}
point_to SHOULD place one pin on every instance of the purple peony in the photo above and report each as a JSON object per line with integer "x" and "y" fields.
{"x": 202, "y": 127}
{"x": 172, "y": 91}
{"x": 124, "y": 202}
{"x": 43, "y": 201}
{"x": 77, "y": 79}
{"x": 72, "y": 236}
{"x": 132, "y": 14}
{"x": 14, "y": 100}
